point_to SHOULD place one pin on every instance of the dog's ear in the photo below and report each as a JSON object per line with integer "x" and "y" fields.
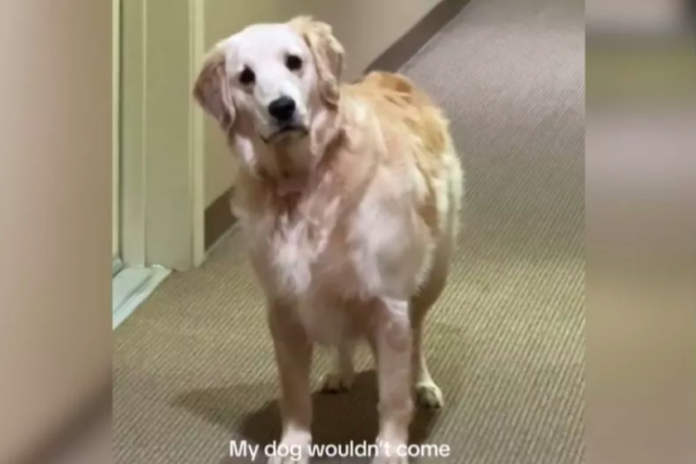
{"x": 328, "y": 55}
{"x": 211, "y": 90}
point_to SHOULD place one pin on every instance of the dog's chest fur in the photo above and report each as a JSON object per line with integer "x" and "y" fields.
{"x": 329, "y": 260}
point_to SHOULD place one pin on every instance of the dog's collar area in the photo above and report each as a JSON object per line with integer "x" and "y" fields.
{"x": 285, "y": 184}
{"x": 290, "y": 185}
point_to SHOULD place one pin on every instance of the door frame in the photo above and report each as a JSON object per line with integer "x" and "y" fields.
{"x": 160, "y": 134}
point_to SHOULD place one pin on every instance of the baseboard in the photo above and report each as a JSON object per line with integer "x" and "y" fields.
{"x": 218, "y": 216}
{"x": 116, "y": 265}
{"x": 130, "y": 288}
{"x": 218, "y": 219}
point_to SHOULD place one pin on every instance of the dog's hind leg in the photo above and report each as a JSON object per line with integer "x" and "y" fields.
{"x": 342, "y": 374}
{"x": 428, "y": 394}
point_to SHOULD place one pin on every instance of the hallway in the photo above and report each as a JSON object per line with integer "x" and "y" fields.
{"x": 193, "y": 368}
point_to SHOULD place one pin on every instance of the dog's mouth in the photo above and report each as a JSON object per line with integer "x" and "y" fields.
{"x": 286, "y": 131}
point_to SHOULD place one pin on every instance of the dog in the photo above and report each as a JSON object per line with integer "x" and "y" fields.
{"x": 349, "y": 196}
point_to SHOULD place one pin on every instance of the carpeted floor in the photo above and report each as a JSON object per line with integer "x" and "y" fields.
{"x": 193, "y": 368}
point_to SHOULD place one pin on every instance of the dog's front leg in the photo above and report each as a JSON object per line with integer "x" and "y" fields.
{"x": 392, "y": 343}
{"x": 293, "y": 352}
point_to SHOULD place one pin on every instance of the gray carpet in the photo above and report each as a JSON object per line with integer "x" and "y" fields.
{"x": 193, "y": 368}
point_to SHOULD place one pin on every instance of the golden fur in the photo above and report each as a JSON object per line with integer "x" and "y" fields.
{"x": 350, "y": 225}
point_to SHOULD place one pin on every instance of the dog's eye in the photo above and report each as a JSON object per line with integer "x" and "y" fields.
{"x": 293, "y": 62}
{"x": 247, "y": 76}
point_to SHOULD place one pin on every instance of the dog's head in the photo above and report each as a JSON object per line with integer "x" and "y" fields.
{"x": 272, "y": 81}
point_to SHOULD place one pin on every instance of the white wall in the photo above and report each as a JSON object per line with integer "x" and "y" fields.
{"x": 365, "y": 27}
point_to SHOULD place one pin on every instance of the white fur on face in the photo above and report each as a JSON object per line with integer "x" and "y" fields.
{"x": 263, "y": 49}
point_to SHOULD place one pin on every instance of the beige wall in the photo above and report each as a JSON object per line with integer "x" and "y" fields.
{"x": 365, "y": 27}
{"x": 55, "y": 198}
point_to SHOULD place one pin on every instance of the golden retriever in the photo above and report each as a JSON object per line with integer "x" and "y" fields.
{"x": 349, "y": 195}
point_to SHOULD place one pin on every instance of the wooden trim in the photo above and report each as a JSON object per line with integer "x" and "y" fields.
{"x": 197, "y": 137}
{"x": 116, "y": 129}
{"x": 218, "y": 216}
{"x": 218, "y": 219}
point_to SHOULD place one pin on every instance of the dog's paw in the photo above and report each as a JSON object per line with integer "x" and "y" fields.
{"x": 293, "y": 449}
{"x": 429, "y": 396}
{"x": 288, "y": 460}
{"x": 391, "y": 457}
{"x": 391, "y": 452}
{"x": 337, "y": 382}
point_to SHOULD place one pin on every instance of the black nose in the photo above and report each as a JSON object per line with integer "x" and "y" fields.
{"x": 282, "y": 109}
